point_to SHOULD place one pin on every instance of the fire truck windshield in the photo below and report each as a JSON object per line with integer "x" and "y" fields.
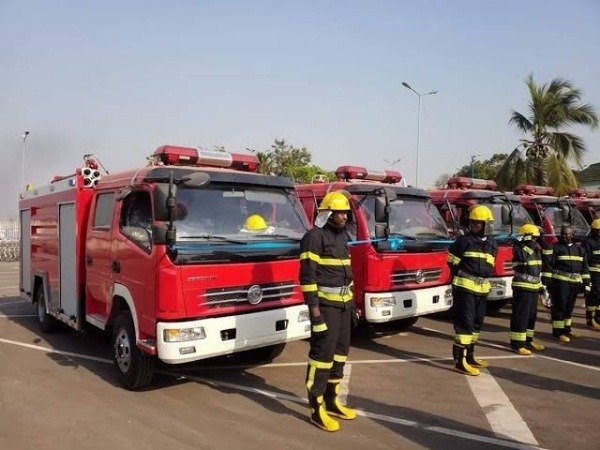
{"x": 554, "y": 215}
{"x": 520, "y": 216}
{"x": 242, "y": 214}
{"x": 410, "y": 217}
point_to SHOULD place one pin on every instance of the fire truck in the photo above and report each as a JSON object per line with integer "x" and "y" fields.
{"x": 398, "y": 245}
{"x": 454, "y": 203}
{"x": 587, "y": 202}
{"x": 551, "y": 212}
{"x": 164, "y": 258}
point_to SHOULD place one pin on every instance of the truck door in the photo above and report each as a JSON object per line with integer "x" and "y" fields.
{"x": 132, "y": 257}
{"x": 98, "y": 255}
{"x": 69, "y": 295}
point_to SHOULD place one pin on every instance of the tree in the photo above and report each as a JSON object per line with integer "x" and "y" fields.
{"x": 442, "y": 180}
{"x": 543, "y": 157}
{"x": 487, "y": 169}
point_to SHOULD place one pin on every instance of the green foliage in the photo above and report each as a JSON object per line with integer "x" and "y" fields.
{"x": 487, "y": 169}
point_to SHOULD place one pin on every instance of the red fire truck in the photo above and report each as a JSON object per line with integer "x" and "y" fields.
{"x": 587, "y": 202}
{"x": 551, "y": 212}
{"x": 454, "y": 203}
{"x": 398, "y": 245}
{"x": 163, "y": 258}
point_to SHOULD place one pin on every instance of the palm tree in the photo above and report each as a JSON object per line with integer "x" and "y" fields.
{"x": 543, "y": 157}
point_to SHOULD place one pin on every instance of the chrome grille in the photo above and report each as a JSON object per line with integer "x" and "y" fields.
{"x": 230, "y": 296}
{"x": 508, "y": 266}
{"x": 415, "y": 276}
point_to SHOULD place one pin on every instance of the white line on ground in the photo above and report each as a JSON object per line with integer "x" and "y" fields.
{"x": 345, "y": 384}
{"x": 505, "y": 420}
{"x": 9, "y": 316}
{"x": 52, "y": 350}
{"x": 585, "y": 366}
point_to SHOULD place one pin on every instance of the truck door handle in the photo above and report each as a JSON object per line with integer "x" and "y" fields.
{"x": 89, "y": 260}
{"x": 116, "y": 266}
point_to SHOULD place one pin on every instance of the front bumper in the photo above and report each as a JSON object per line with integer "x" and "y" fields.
{"x": 501, "y": 288}
{"x": 410, "y": 303}
{"x": 231, "y": 334}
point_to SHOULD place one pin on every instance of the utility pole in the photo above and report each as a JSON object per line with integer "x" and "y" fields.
{"x": 23, "y": 148}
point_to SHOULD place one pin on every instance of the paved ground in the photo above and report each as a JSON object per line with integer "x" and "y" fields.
{"x": 59, "y": 391}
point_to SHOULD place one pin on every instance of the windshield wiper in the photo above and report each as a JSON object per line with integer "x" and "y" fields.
{"x": 406, "y": 236}
{"x": 278, "y": 236}
{"x": 214, "y": 237}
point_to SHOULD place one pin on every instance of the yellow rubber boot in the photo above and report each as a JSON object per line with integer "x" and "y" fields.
{"x": 591, "y": 322}
{"x": 563, "y": 339}
{"x": 319, "y": 416}
{"x": 532, "y": 345}
{"x": 459, "y": 353}
{"x": 522, "y": 351}
{"x": 333, "y": 406}
{"x": 475, "y": 362}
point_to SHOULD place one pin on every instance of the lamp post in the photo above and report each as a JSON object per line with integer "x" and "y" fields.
{"x": 419, "y": 95}
{"x": 23, "y": 147}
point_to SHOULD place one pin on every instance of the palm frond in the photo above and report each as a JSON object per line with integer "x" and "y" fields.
{"x": 560, "y": 175}
{"x": 583, "y": 115}
{"x": 567, "y": 145}
{"x": 520, "y": 121}
{"x": 510, "y": 172}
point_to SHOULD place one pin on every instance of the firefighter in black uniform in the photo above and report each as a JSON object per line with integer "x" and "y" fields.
{"x": 326, "y": 281}
{"x": 568, "y": 266}
{"x": 471, "y": 258}
{"x": 526, "y": 285}
{"x": 591, "y": 245}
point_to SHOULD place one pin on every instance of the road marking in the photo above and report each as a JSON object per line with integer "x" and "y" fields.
{"x": 345, "y": 384}
{"x": 360, "y": 412}
{"x": 505, "y": 420}
{"x": 10, "y": 316}
{"x": 585, "y": 366}
{"x": 59, "y": 352}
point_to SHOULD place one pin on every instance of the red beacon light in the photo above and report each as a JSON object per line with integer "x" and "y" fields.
{"x": 530, "y": 189}
{"x": 348, "y": 173}
{"x": 578, "y": 193}
{"x": 185, "y": 156}
{"x": 472, "y": 183}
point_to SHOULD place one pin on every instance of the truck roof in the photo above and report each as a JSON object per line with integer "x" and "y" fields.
{"x": 361, "y": 188}
{"x": 457, "y": 195}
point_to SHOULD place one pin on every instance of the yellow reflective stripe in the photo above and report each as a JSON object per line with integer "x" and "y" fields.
{"x": 568, "y": 322}
{"x": 319, "y": 327}
{"x": 596, "y": 252}
{"x": 588, "y": 288}
{"x": 586, "y": 275}
{"x": 569, "y": 258}
{"x": 563, "y": 278}
{"x": 340, "y": 358}
{"x": 464, "y": 339}
{"x": 453, "y": 259}
{"x": 488, "y": 258}
{"x": 320, "y": 364}
{"x": 308, "y": 287}
{"x": 475, "y": 336}
{"x": 514, "y": 336}
{"x": 546, "y": 274}
{"x": 530, "y": 333}
{"x": 591, "y": 308}
{"x": 558, "y": 324}
{"x": 528, "y": 250}
{"x": 324, "y": 261}
{"x": 533, "y": 262}
{"x": 594, "y": 269}
{"x": 336, "y": 297}
{"x": 526, "y": 285}
{"x": 310, "y": 379}
{"x": 471, "y": 285}
{"x": 547, "y": 252}
{"x": 334, "y": 380}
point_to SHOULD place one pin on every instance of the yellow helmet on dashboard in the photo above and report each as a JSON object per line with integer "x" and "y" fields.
{"x": 530, "y": 229}
{"x": 596, "y": 224}
{"x": 481, "y": 213}
{"x": 255, "y": 222}
{"x": 335, "y": 201}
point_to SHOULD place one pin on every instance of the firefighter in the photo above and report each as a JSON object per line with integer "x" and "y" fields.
{"x": 526, "y": 285}
{"x": 326, "y": 281}
{"x": 471, "y": 258}
{"x": 591, "y": 245}
{"x": 568, "y": 265}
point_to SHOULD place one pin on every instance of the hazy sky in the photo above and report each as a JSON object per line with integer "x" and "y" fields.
{"x": 121, "y": 78}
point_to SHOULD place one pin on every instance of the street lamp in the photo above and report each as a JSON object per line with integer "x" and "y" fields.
{"x": 392, "y": 162}
{"x": 419, "y": 95}
{"x": 23, "y": 147}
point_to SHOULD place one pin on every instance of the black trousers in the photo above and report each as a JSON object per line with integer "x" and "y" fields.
{"x": 329, "y": 349}
{"x": 523, "y": 317}
{"x": 564, "y": 295}
{"x": 592, "y": 299}
{"x": 469, "y": 312}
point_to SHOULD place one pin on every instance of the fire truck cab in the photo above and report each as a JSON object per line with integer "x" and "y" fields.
{"x": 454, "y": 203}
{"x": 398, "y": 245}
{"x": 189, "y": 257}
{"x": 587, "y": 202}
{"x": 551, "y": 212}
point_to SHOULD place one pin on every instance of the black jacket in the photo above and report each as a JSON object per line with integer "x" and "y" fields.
{"x": 591, "y": 246}
{"x": 472, "y": 257}
{"x": 527, "y": 262}
{"x": 562, "y": 260}
{"x": 325, "y": 263}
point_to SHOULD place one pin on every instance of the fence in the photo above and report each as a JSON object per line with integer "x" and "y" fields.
{"x": 9, "y": 241}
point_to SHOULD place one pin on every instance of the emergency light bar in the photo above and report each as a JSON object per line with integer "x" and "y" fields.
{"x": 530, "y": 189}
{"x": 347, "y": 173}
{"x": 472, "y": 183}
{"x": 578, "y": 193}
{"x": 172, "y": 155}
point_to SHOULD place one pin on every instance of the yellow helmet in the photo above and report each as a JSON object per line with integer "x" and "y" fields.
{"x": 596, "y": 224}
{"x": 529, "y": 228}
{"x": 335, "y": 201}
{"x": 256, "y": 222}
{"x": 481, "y": 213}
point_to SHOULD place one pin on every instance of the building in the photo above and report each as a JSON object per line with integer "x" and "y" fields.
{"x": 589, "y": 177}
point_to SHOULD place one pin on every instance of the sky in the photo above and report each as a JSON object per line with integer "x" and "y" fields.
{"x": 119, "y": 79}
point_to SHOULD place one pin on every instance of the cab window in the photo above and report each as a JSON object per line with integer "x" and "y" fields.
{"x": 136, "y": 218}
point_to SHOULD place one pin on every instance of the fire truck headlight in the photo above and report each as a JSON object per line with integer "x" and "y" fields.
{"x": 377, "y": 302}
{"x": 303, "y": 316}
{"x": 448, "y": 296}
{"x": 184, "y": 334}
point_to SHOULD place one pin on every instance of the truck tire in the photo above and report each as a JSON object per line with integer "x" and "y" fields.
{"x": 47, "y": 323}
{"x": 404, "y": 324}
{"x": 264, "y": 354}
{"x": 135, "y": 368}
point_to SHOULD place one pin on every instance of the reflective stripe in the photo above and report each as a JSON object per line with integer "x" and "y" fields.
{"x": 514, "y": 336}
{"x": 471, "y": 285}
{"x": 596, "y": 252}
{"x": 335, "y": 289}
{"x": 569, "y": 258}
{"x": 585, "y": 275}
{"x": 310, "y": 378}
{"x": 334, "y": 380}
{"x": 324, "y": 261}
{"x": 575, "y": 279}
{"x": 558, "y": 324}
{"x": 455, "y": 260}
{"x": 308, "y": 287}
{"x": 475, "y": 336}
{"x": 335, "y": 297}
{"x": 568, "y": 322}
{"x": 547, "y": 252}
{"x": 488, "y": 258}
{"x": 530, "y": 333}
{"x": 528, "y": 250}
{"x": 525, "y": 285}
{"x": 546, "y": 274}
{"x": 533, "y": 262}
{"x": 320, "y": 364}
{"x": 464, "y": 339}
{"x": 594, "y": 269}
{"x": 319, "y": 327}
{"x": 588, "y": 288}
{"x": 340, "y": 358}
{"x": 591, "y": 308}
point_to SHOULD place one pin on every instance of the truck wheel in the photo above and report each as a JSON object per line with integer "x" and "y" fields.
{"x": 46, "y": 321}
{"x": 404, "y": 324}
{"x": 135, "y": 368}
{"x": 264, "y": 354}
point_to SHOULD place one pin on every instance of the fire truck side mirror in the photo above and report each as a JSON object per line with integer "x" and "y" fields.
{"x": 196, "y": 180}
{"x": 565, "y": 211}
{"x": 159, "y": 234}
{"x": 506, "y": 219}
{"x": 382, "y": 231}
{"x": 161, "y": 209}
{"x": 382, "y": 209}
